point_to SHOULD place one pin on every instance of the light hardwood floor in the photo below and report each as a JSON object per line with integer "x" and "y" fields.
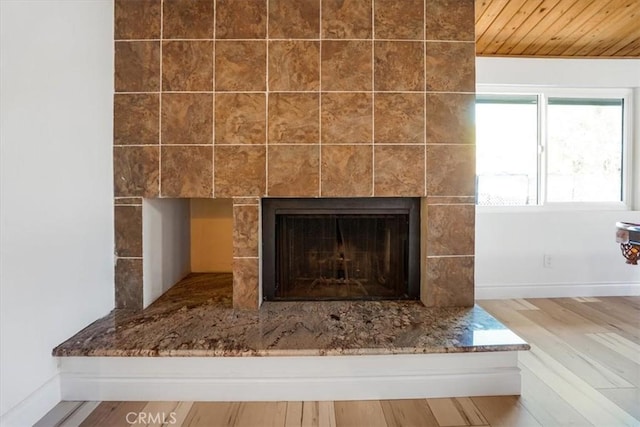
{"x": 583, "y": 370}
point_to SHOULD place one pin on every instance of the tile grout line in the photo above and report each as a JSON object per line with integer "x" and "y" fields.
{"x": 213, "y": 110}
{"x": 373, "y": 99}
{"x": 265, "y": 191}
{"x": 320, "y": 102}
{"x": 160, "y": 106}
{"x": 424, "y": 96}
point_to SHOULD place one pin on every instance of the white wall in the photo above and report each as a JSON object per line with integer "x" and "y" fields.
{"x": 511, "y": 243}
{"x": 165, "y": 245}
{"x": 56, "y": 214}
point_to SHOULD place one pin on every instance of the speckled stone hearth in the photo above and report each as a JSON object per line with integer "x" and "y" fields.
{"x": 196, "y": 318}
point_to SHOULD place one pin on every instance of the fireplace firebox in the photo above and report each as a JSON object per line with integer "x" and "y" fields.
{"x": 340, "y": 249}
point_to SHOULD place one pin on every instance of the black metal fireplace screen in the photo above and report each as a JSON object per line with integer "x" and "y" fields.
{"x": 334, "y": 249}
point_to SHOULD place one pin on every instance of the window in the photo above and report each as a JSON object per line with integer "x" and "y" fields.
{"x": 550, "y": 147}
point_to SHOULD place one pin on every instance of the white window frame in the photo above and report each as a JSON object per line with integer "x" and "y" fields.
{"x": 544, "y": 93}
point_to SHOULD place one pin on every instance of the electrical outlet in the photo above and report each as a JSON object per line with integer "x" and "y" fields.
{"x": 547, "y": 261}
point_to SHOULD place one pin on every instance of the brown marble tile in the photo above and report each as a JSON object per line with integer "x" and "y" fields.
{"x": 245, "y": 283}
{"x": 294, "y": 118}
{"x": 450, "y": 20}
{"x": 293, "y": 170}
{"x": 246, "y": 201}
{"x": 187, "y": 19}
{"x": 138, "y": 19}
{"x": 347, "y": 171}
{"x": 240, "y": 170}
{"x": 346, "y": 65}
{"x": 128, "y": 231}
{"x": 450, "y": 200}
{"x": 294, "y": 65}
{"x": 449, "y": 282}
{"x": 398, "y": 170}
{"x": 451, "y": 67}
{"x": 119, "y": 201}
{"x": 240, "y": 118}
{"x": 450, "y": 118}
{"x": 451, "y": 170}
{"x": 450, "y": 229}
{"x": 246, "y": 19}
{"x": 347, "y": 118}
{"x": 135, "y": 119}
{"x": 245, "y": 231}
{"x": 399, "y": 19}
{"x": 241, "y": 65}
{"x": 399, "y": 118}
{"x": 294, "y": 19}
{"x": 346, "y": 19}
{"x": 187, "y": 66}
{"x": 128, "y": 283}
{"x": 136, "y": 171}
{"x": 137, "y": 66}
{"x": 186, "y": 171}
{"x": 399, "y": 66}
{"x": 187, "y": 118}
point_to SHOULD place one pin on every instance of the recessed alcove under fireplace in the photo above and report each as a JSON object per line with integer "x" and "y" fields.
{"x": 341, "y": 248}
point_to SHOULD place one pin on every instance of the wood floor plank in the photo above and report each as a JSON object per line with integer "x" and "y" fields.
{"x": 470, "y": 411}
{"x": 523, "y": 304}
{"x": 621, "y": 309}
{"x": 267, "y": 414}
{"x": 626, "y": 398}
{"x": 326, "y": 414}
{"x": 446, "y": 412}
{"x": 613, "y": 324}
{"x": 557, "y": 313}
{"x": 586, "y": 299}
{"x": 615, "y": 362}
{"x": 505, "y": 411}
{"x": 619, "y": 344}
{"x": 112, "y": 414}
{"x": 579, "y": 394}
{"x": 157, "y": 414}
{"x": 293, "y": 417}
{"x": 310, "y": 414}
{"x": 181, "y": 412}
{"x": 212, "y": 414}
{"x": 359, "y": 413}
{"x": 633, "y": 301}
{"x": 547, "y": 406}
{"x": 409, "y": 412}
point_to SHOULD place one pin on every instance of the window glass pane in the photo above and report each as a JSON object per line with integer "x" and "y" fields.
{"x": 506, "y": 149}
{"x": 584, "y": 150}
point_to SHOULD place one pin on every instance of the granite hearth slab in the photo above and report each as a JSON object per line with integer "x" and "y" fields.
{"x": 196, "y": 318}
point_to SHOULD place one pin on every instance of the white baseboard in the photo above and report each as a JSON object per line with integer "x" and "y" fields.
{"x": 290, "y": 378}
{"x": 557, "y": 290}
{"x": 35, "y": 406}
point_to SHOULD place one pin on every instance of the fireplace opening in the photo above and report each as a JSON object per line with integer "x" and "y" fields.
{"x": 341, "y": 249}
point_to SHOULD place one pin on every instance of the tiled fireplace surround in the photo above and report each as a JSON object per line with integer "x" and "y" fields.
{"x": 297, "y": 98}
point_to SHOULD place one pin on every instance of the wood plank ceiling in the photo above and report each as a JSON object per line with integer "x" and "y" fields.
{"x": 558, "y": 28}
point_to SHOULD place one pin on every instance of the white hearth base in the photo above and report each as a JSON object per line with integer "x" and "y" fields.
{"x": 400, "y": 376}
